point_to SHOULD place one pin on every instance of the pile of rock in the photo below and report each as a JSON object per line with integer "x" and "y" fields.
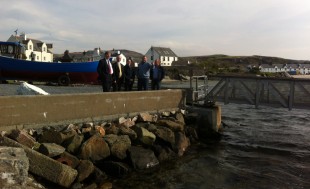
{"x": 87, "y": 155}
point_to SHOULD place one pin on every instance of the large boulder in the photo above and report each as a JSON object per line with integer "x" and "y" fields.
{"x": 94, "y": 149}
{"x": 164, "y": 134}
{"x": 173, "y": 125}
{"x": 181, "y": 143}
{"x": 73, "y": 144}
{"x": 22, "y": 137}
{"x": 118, "y": 145}
{"x": 51, "y": 149}
{"x": 164, "y": 153}
{"x": 124, "y": 130}
{"x": 85, "y": 168}
{"x": 146, "y": 117}
{"x": 14, "y": 166}
{"x": 142, "y": 158}
{"x": 145, "y": 136}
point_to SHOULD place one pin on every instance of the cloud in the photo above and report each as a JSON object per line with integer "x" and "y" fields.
{"x": 196, "y": 27}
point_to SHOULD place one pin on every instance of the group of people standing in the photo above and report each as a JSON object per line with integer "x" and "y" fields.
{"x": 115, "y": 75}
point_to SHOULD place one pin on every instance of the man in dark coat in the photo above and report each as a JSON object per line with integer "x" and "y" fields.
{"x": 157, "y": 74}
{"x": 118, "y": 76}
{"x": 105, "y": 72}
{"x": 129, "y": 74}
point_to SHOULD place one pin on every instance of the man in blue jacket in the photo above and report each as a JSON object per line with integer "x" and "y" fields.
{"x": 143, "y": 74}
{"x": 157, "y": 74}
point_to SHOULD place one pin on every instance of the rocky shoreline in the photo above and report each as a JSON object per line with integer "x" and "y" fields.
{"x": 93, "y": 154}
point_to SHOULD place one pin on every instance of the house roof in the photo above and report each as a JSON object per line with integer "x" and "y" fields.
{"x": 267, "y": 66}
{"x": 37, "y": 44}
{"x": 164, "y": 51}
{"x": 294, "y": 66}
{"x": 305, "y": 65}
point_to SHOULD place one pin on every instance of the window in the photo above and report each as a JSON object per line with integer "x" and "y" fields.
{"x": 37, "y": 57}
{"x": 30, "y": 47}
{"x": 44, "y": 58}
{"x": 168, "y": 58}
{"x": 152, "y": 57}
{"x": 43, "y": 49}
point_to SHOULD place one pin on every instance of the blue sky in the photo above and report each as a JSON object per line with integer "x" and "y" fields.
{"x": 278, "y": 28}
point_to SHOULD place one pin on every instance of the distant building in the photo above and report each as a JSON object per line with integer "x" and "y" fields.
{"x": 87, "y": 56}
{"x": 35, "y": 50}
{"x": 304, "y": 68}
{"x": 290, "y": 68}
{"x": 165, "y": 55}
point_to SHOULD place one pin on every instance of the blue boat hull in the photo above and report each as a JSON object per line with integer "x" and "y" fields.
{"x": 63, "y": 73}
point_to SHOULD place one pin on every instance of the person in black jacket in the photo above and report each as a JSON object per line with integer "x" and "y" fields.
{"x": 157, "y": 74}
{"x": 118, "y": 76}
{"x": 129, "y": 74}
{"x": 105, "y": 72}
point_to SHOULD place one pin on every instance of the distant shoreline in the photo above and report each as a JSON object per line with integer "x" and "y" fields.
{"x": 301, "y": 76}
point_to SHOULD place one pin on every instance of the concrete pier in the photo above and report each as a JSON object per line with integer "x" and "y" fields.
{"x": 34, "y": 111}
{"x": 209, "y": 119}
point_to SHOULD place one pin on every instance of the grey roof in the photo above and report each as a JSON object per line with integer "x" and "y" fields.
{"x": 37, "y": 44}
{"x": 267, "y": 66}
{"x": 292, "y": 65}
{"x": 278, "y": 65}
{"x": 164, "y": 51}
{"x": 305, "y": 65}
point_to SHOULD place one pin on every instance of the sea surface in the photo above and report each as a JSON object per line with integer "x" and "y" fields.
{"x": 259, "y": 148}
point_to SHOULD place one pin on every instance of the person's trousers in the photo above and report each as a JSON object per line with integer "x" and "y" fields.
{"x": 143, "y": 84}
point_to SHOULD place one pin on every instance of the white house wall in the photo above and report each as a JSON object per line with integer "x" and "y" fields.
{"x": 123, "y": 59}
{"x": 165, "y": 60}
{"x": 29, "y": 50}
{"x": 43, "y": 56}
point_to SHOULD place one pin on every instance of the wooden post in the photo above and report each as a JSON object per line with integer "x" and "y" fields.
{"x": 291, "y": 95}
{"x": 257, "y": 93}
{"x": 226, "y": 91}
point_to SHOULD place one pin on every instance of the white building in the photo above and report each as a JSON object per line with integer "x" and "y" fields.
{"x": 115, "y": 53}
{"x": 290, "y": 68}
{"x": 165, "y": 55}
{"x": 35, "y": 50}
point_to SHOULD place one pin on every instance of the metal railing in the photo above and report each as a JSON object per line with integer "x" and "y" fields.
{"x": 199, "y": 87}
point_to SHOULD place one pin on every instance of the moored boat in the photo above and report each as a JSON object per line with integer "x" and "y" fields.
{"x": 13, "y": 68}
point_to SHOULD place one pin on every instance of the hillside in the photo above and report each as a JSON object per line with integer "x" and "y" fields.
{"x": 238, "y": 60}
{"x": 212, "y": 64}
{"x": 128, "y": 53}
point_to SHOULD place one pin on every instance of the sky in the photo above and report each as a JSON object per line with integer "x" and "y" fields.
{"x": 279, "y": 28}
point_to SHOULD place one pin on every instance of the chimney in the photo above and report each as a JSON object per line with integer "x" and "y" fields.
{"x": 96, "y": 51}
{"x": 23, "y": 36}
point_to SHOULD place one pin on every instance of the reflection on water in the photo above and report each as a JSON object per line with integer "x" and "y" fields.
{"x": 260, "y": 148}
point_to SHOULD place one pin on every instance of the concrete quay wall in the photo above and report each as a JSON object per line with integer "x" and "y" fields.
{"x": 35, "y": 111}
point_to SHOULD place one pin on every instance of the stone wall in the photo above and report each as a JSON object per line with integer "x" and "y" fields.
{"x": 31, "y": 111}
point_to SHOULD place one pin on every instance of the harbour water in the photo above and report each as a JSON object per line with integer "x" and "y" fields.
{"x": 259, "y": 148}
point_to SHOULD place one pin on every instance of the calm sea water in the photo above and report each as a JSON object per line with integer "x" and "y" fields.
{"x": 259, "y": 148}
